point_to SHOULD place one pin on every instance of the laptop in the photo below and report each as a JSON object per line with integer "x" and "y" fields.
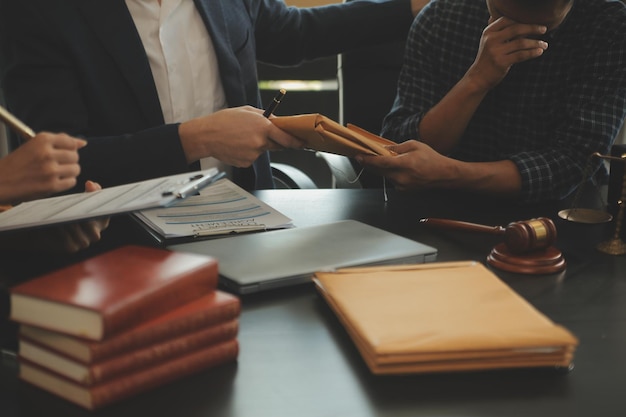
{"x": 257, "y": 262}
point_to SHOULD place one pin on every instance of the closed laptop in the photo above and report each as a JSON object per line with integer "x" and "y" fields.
{"x": 261, "y": 261}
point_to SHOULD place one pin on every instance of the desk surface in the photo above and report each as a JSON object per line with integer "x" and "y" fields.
{"x": 296, "y": 359}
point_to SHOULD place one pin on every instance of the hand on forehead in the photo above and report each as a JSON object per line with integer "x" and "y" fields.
{"x": 549, "y": 13}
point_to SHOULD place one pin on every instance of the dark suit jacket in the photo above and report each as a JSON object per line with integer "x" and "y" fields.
{"x": 78, "y": 66}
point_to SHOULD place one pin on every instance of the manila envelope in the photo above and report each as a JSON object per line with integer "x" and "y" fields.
{"x": 320, "y": 133}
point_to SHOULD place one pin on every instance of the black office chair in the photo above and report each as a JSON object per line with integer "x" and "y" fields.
{"x": 287, "y": 176}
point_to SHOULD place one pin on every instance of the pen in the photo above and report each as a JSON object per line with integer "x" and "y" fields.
{"x": 198, "y": 182}
{"x": 17, "y": 125}
{"x": 275, "y": 102}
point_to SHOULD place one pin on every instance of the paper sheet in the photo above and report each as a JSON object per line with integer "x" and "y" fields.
{"x": 125, "y": 198}
{"x": 220, "y": 209}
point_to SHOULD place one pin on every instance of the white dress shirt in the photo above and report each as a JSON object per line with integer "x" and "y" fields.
{"x": 182, "y": 59}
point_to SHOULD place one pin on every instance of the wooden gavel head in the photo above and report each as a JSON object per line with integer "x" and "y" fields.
{"x": 519, "y": 237}
{"x": 530, "y": 235}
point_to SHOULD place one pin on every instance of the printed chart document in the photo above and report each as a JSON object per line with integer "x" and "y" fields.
{"x": 157, "y": 192}
{"x": 224, "y": 208}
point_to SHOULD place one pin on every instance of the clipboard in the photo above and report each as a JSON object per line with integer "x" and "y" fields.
{"x": 152, "y": 193}
{"x": 221, "y": 210}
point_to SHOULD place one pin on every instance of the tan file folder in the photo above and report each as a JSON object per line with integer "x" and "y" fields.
{"x": 323, "y": 134}
{"x": 448, "y": 316}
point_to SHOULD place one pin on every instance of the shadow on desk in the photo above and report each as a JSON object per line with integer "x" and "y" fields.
{"x": 437, "y": 388}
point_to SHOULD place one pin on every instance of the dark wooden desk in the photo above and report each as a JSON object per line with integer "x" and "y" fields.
{"x": 296, "y": 359}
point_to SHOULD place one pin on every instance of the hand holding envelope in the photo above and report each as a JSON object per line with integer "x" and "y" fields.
{"x": 320, "y": 133}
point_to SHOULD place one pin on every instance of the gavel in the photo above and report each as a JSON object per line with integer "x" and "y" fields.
{"x": 519, "y": 237}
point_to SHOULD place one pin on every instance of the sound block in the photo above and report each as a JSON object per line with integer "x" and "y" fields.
{"x": 545, "y": 261}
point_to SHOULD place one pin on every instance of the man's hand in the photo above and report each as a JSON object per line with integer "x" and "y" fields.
{"x": 417, "y": 166}
{"x": 504, "y": 43}
{"x": 236, "y": 136}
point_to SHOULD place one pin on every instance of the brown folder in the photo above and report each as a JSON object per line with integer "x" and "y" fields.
{"x": 320, "y": 133}
{"x": 448, "y": 316}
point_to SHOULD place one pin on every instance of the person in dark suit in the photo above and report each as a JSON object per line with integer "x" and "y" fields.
{"x": 112, "y": 72}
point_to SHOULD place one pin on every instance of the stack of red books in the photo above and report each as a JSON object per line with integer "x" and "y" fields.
{"x": 122, "y": 323}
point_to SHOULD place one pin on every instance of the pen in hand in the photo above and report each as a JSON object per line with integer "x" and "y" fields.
{"x": 275, "y": 102}
{"x": 16, "y": 125}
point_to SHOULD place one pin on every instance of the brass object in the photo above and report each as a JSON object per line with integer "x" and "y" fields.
{"x": 541, "y": 232}
{"x": 585, "y": 215}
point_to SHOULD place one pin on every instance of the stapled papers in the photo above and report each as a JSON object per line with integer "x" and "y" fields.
{"x": 224, "y": 208}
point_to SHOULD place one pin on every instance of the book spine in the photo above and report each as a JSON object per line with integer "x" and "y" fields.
{"x": 188, "y": 287}
{"x": 150, "y": 378}
{"x": 145, "y": 357}
{"x": 166, "y": 330}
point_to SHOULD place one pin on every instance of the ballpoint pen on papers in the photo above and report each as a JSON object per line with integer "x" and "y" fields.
{"x": 15, "y": 124}
{"x": 275, "y": 102}
{"x": 197, "y": 183}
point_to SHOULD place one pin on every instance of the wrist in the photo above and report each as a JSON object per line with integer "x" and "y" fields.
{"x": 453, "y": 174}
{"x": 475, "y": 85}
{"x": 498, "y": 177}
{"x": 188, "y": 133}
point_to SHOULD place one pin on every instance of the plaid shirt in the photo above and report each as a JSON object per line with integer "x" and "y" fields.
{"x": 547, "y": 116}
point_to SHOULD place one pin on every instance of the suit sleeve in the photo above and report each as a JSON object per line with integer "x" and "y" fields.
{"x": 308, "y": 33}
{"x": 46, "y": 87}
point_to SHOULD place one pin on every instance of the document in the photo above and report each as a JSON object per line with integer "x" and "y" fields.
{"x": 157, "y": 192}
{"x": 442, "y": 317}
{"x": 320, "y": 133}
{"x": 221, "y": 209}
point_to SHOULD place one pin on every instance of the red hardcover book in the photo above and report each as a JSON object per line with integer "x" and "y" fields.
{"x": 96, "y": 373}
{"x": 114, "y": 291}
{"x": 129, "y": 384}
{"x": 215, "y": 307}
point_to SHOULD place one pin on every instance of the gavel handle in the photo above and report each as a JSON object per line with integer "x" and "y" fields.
{"x": 459, "y": 225}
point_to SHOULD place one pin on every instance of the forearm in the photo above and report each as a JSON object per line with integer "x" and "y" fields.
{"x": 444, "y": 124}
{"x": 500, "y": 178}
{"x": 287, "y": 37}
{"x": 417, "y": 167}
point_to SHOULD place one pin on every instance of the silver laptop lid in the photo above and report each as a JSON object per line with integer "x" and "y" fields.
{"x": 260, "y": 261}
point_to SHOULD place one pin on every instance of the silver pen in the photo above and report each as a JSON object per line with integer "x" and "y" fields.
{"x": 198, "y": 182}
